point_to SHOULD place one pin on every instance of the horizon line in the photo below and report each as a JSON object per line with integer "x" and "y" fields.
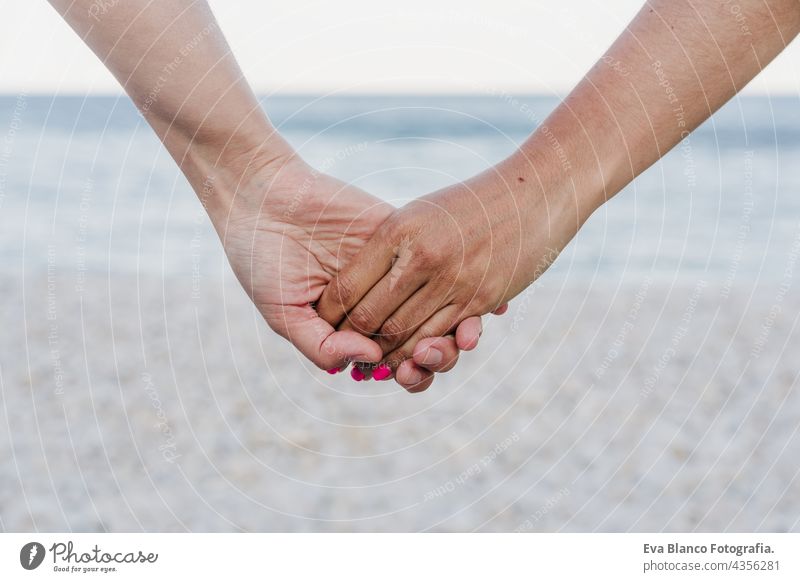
{"x": 367, "y": 94}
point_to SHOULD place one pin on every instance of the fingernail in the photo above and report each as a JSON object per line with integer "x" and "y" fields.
{"x": 333, "y": 371}
{"x": 432, "y": 357}
{"x": 415, "y": 377}
{"x": 382, "y": 372}
{"x": 356, "y": 374}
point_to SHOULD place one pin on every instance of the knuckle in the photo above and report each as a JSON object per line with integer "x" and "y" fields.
{"x": 363, "y": 318}
{"x": 449, "y": 275}
{"x": 343, "y": 293}
{"x": 428, "y": 331}
{"x": 428, "y": 256}
{"x": 393, "y": 328}
{"x": 395, "y": 229}
{"x": 441, "y": 328}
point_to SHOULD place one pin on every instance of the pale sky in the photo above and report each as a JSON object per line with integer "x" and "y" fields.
{"x": 366, "y": 46}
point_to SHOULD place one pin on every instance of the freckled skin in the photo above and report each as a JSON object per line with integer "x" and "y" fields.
{"x": 477, "y": 244}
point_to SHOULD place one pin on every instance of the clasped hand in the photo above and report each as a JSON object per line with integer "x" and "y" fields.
{"x": 447, "y": 258}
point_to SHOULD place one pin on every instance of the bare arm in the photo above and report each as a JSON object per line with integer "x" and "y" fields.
{"x": 280, "y": 221}
{"x": 174, "y": 62}
{"x": 675, "y": 64}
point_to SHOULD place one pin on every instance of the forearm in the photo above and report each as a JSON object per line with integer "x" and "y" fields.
{"x": 173, "y": 61}
{"x": 675, "y": 64}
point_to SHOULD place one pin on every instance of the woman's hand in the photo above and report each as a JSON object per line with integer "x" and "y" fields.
{"x": 460, "y": 252}
{"x": 285, "y": 228}
{"x": 288, "y": 233}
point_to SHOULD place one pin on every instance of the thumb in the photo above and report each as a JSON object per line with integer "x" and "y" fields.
{"x": 319, "y": 342}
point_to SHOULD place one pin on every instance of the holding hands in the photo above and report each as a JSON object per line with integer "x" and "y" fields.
{"x": 286, "y": 247}
{"x": 462, "y": 252}
{"x": 346, "y": 277}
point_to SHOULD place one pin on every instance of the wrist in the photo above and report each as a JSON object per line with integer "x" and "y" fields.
{"x": 566, "y": 181}
{"x": 580, "y": 154}
{"x": 236, "y": 172}
{"x": 547, "y": 190}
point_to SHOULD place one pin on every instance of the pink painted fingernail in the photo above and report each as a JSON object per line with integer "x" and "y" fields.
{"x": 337, "y": 370}
{"x": 382, "y": 372}
{"x": 356, "y": 374}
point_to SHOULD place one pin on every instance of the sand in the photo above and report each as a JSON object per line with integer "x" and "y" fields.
{"x": 142, "y": 404}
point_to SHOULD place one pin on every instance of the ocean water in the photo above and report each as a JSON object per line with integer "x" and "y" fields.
{"x": 83, "y": 180}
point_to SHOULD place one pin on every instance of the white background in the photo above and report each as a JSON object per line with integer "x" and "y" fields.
{"x": 364, "y": 46}
{"x": 401, "y": 557}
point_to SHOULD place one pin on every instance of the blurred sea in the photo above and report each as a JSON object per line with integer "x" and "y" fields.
{"x": 87, "y": 177}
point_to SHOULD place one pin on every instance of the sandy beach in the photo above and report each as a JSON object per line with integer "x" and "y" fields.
{"x": 157, "y": 404}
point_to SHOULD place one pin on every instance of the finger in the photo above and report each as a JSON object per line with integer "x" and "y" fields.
{"x": 383, "y": 299}
{"x": 350, "y": 284}
{"x": 439, "y": 325}
{"x": 501, "y": 310}
{"x": 438, "y": 354}
{"x": 318, "y": 341}
{"x": 468, "y": 333}
{"x": 412, "y": 377}
{"x": 409, "y": 317}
